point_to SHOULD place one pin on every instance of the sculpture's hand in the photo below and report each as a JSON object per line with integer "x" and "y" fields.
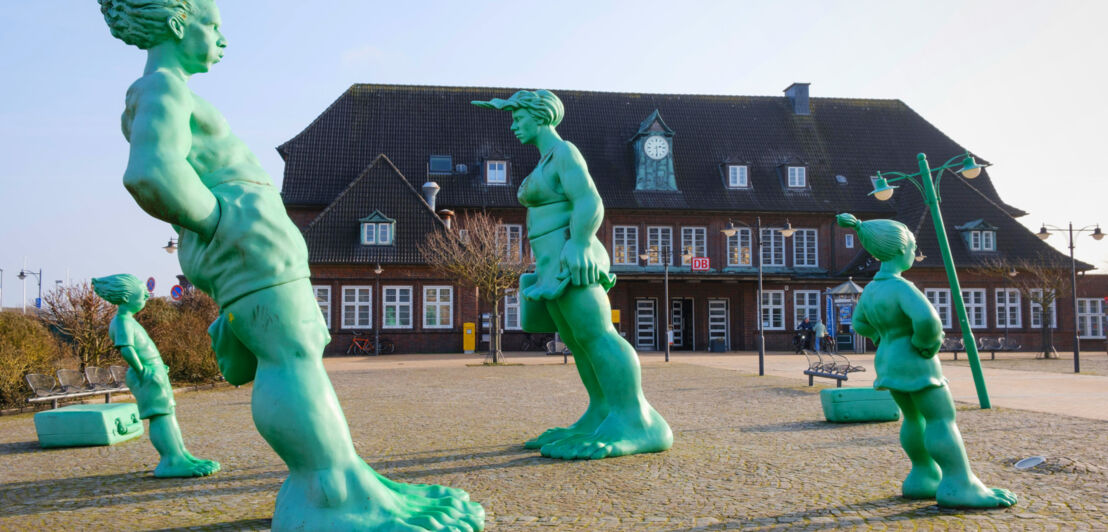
{"x": 575, "y": 260}
{"x": 145, "y": 373}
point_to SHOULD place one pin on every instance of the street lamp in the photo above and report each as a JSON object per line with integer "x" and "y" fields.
{"x": 665, "y": 293}
{"x": 23, "y": 273}
{"x": 1097, "y": 234}
{"x": 377, "y": 326}
{"x": 171, "y": 246}
{"x": 927, "y": 181}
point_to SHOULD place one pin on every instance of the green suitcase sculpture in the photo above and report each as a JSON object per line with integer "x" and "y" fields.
{"x": 82, "y": 425}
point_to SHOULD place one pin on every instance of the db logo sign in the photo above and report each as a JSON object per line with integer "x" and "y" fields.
{"x": 700, "y": 264}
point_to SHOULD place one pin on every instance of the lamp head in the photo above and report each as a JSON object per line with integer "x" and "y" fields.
{"x": 1098, "y": 234}
{"x": 970, "y": 168}
{"x": 882, "y": 190}
{"x": 788, "y": 230}
{"x": 170, "y": 247}
{"x": 1012, "y": 272}
{"x": 378, "y": 270}
{"x": 1043, "y": 234}
{"x": 920, "y": 256}
{"x": 22, "y": 275}
{"x": 730, "y": 230}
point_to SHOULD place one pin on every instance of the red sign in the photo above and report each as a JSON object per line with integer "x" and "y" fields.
{"x": 700, "y": 264}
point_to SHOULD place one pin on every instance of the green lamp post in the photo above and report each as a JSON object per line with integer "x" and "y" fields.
{"x": 928, "y": 180}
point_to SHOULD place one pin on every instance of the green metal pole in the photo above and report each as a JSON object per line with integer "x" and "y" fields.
{"x": 932, "y": 201}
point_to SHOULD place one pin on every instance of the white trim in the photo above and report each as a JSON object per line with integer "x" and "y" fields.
{"x": 323, "y": 299}
{"x": 352, "y": 308}
{"x": 512, "y": 235}
{"x": 738, "y": 176}
{"x": 1008, "y": 300}
{"x": 849, "y": 241}
{"x": 627, "y": 247}
{"x": 496, "y": 172}
{"x": 810, "y": 238}
{"x": 797, "y": 176}
{"x": 977, "y": 307}
{"x": 773, "y": 310}
{"x": 735, "y": 246}
{"x": 988, "y": 240}
{"x": 810, "y": 306}
{"x": 698, "y": 245}
{"x": 437, "y": 305}
{"x": 511, "y": 311}
{"x": 398, "y": 305}
{"x": 656, "y": 244}
{"x": 1090, "y": 317}
{"x": 773, "y": 247}
{"x": 940, "y": 300}
{"x": 1037, "y": 311}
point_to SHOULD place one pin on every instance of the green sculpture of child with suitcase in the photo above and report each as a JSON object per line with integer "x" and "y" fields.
{"x": 148, "y": 377}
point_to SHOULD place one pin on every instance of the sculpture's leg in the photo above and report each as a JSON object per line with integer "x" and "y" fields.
{"x": 597, "y": 409}
{"x": 632, "y": 425}
{"x": 959, "y": 487}
{"x": 923, "y": 479}
{"x": 176, "y": 461}
{"x": 295, "y": 409}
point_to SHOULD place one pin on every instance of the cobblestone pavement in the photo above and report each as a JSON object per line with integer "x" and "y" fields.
{"x": 750, "y": 453}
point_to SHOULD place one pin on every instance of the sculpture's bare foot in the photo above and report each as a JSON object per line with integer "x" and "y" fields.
{"x": 589, "y": 422}
{"x": 180, "y": 466}
{"x": 431, "y": 491}
{"x": 356, "y": 498}
{"x": 619, "y": 435}
{"x": 972, "y": 494}
{"x": 922, "y": 482}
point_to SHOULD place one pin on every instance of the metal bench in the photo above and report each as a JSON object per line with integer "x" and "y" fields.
{"x": 830, "y": 366}
{"x": 953, "y": 344}
{"x": 72, "y": 384}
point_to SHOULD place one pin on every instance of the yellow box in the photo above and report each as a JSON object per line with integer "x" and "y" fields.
{"x": 469, "y": 337}
{"x": 615, "y": 315}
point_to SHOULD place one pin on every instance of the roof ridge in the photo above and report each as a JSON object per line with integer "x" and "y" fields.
{"x": 343, "y": 193}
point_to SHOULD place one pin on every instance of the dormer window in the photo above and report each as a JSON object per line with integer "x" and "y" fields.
{"x": 377, "y": 230}
{"x": 440, "y": 164}
{"x": 798, "y": 177}
{"x": 496, "y": 172}
{"x": 738, "y": 176}
{"x": 983, "y": 240}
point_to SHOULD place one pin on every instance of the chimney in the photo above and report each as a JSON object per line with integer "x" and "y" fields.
{"x": 430, "y": 190}
{"x": 797, "y": 93}
{"x": 447, "y": 217}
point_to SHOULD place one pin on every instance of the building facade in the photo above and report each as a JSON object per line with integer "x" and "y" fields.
{"x": 674, "y": 172}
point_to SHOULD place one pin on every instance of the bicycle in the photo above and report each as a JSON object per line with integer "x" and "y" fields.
{"x": 535, "y": 341}
{"x": 363, "y": 345}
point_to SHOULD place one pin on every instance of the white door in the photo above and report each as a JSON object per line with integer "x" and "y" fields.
{"x": 717, "y": 320}
{"x": 645, "y": 335}
{"x": 678, "y": 318}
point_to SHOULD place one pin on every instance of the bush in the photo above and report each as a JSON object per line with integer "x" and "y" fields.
{"x": 26, "y": 346}
{"x": 180, "y": 330}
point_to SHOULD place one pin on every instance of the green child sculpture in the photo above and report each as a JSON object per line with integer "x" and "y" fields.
{"x": 567, "y": 292}
{"x": 238, "y": 245}
{"x": 148, "y": 377}
{"x": 908, "y": 333}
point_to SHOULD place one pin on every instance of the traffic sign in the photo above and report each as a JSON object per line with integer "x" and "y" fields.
{"x": 700, "y": 264}
{"x": 176, "y": 292}
{"x": 38, "y": 302}
{"x": 150, "y": 284}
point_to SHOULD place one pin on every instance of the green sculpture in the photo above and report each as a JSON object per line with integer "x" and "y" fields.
{"x": 238, "y": 245}
{"x": 908, "y": 334}
{"x": 148, "y": 377}
{"x": 567, "y": 292}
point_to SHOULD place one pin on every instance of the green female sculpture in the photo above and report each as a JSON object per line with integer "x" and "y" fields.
{"x": 238, "y": 245}
{"x": 567, "y": 292}
{"x": 148, "y": 377}
{"x": 908, "y": 334}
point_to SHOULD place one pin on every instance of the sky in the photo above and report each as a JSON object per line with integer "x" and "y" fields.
{"x": 1017, "y": 82}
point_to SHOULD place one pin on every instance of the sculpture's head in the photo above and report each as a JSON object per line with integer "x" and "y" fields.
{"x": 190, "y": 27}
{"x": 889, "y": 241}
{"x": 122, "y": 290}
{"x": 531, "y": 111}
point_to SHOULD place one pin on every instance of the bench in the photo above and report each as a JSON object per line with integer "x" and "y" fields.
{"x": 829, "y": 366}
{"x": 72, "y": 384}
{"x": 984, "y": 343}
{"x": 554, "y": 347}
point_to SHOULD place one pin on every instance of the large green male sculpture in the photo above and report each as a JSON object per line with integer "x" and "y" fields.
{"x": 148, "y": 377}
{"x": 908, "y": 334}
{"x": 567, "y": 292}
{"x": 238, "y": 245}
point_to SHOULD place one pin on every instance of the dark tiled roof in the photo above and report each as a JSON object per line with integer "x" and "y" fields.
{"x": 334, "y": 236}
{"x": 849, "y": 137}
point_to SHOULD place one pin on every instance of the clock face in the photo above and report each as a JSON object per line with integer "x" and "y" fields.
{"x": 655, "y": 147}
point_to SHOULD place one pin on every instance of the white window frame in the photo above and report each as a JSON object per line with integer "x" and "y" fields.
{"x": 496, "y": 172}
{"x": 369, "y": 234}
{"x": 735, "y": 245}
{"x": 738, "y": 176}
{"x": 773, "y": 308}
{"x": 1090, "y": 317}
{"x": 351, "y": 308}
{"x": 988, "y": 240}
{"x": 806, "y": 248}
{"x": 377, "y": 233}
{"x": 1037, "y": 310}
{"x": 694, "y": 240}
{"x": 977, "y": 307}
{"x": 1008, "y": 308}
{"x": 940, "y": 301}
{"x": 438, "y": 305}
{"x": 849, "y": 241}
{"x": 625, "y": 245}
{"x": 397, "y": 305}
{"x": 805, "y": 303}
{"x": 797, "y": 176}
{"x": 773, "y": 247}
{"x": 323, "y": 299}
{"x": 657, "y": 244}
{"x": 511, "y": 308}
{"x": 510, "y": 238}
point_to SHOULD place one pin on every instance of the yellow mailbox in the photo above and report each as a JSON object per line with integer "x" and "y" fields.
{"x": 469, "y": 337}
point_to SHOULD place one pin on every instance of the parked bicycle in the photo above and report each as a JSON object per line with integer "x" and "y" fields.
{"x": 535, "y": 341}
{"x": 362, "y": 344}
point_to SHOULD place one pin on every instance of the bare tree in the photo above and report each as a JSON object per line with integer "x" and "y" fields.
{"x": 483, "y": 254}
{"x": 81, "y": 318}
{"x": 1042, "y": 282}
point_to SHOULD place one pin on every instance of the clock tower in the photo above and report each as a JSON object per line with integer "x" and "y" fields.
{"x": 653, "y": 146}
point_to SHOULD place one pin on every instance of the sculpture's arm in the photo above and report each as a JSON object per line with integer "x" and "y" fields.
{"x": 862, "y": 326}
{"x": 158, "y": 173}
{"x": 585, "y": 218}
{"x": 124, "y": 338}
{"x": 927, "y": 328}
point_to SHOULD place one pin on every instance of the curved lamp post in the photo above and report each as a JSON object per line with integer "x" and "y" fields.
{"x": 667, "y": 253}
{"x": 1097, "y": 234}
{"x": 377, "y": 271}
{"x": 23, "y": 273}
{"x": 928, "y": 181}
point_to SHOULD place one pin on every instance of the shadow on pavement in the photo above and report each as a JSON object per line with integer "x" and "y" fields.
{"x": 20, "y": 447}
